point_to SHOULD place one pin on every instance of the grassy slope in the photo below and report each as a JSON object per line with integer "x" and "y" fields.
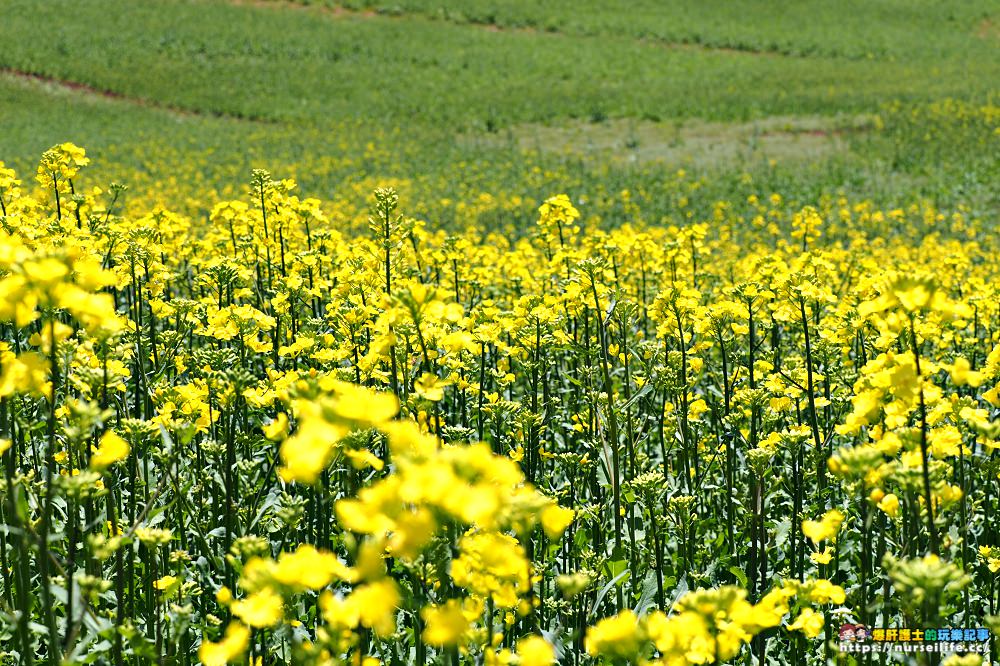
{"x": 276, "y": 63}
{"x": 915, "y": 29}
{"x": 330, "y": 83}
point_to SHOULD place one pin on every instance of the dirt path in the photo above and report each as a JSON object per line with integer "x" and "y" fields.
{"x": 77, "y": 87}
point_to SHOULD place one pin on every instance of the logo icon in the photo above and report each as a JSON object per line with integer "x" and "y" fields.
{"x": 854, "y": 632}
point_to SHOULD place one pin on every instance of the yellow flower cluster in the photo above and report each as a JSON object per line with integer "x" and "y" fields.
{"x": 709, "y": 626}
{"x": 341, "y": 435}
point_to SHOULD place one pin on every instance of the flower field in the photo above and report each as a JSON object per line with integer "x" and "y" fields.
{"x": 274, "y": 434}
{"x": 301, "y": 363}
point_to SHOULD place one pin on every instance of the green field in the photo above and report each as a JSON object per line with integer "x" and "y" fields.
{"x": 309, "y": 90}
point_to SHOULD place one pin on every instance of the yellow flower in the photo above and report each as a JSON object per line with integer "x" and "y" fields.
{"x": 378, "y": 603}
{"x": 535, "y": 651}
{"x": 993, "y": 396}
{"x": 261, "y": 609}
{"x": 555, "y": 520}
{"x": 913, "y": 295}
{"x": 948, "y": 493}
{"x": 25, "y": 373}
{"x": 224, "y": 596}
{"x": 769, "y": 610}
{"x": 228, "y": 650}
{"x": 278, "y": 428}
{"x": 357, "y": 403}
{"x": 167, "y": 586}
{"x": 412, "y": 533}
{"x": 308, "y": 452}
{"x": 557, "y": 211}
{"x": 430, "y": 387}
{"x": 47, "y": 271}
{"x": 962, "y": 373}
{"x": 444, "y": 625}
{"x": 945, "y": 442}
{"x": 110, "y": 449}
{"x": 822, "y": 557}
{"x": 309, "y": 569}
{"x": 165, "y": 583}
{"x": 889, "y": 505}
{"x": 809, "y": 622}
{"x": 825, "y": 528}
{"x": 373, "y": 605}
{"x": 620, "y": 636}
{"x": 822, "y": 591}
{"x": 363, "y": 458}
{"x": 492, "y": 565}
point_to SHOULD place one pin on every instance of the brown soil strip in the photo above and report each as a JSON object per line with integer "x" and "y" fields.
{"x": 340, "y": 11}
{"x": 988, "y": 29}
{"x": 87, "y": 89}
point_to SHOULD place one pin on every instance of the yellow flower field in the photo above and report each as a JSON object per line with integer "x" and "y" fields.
{"x": 289, "y": 430}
